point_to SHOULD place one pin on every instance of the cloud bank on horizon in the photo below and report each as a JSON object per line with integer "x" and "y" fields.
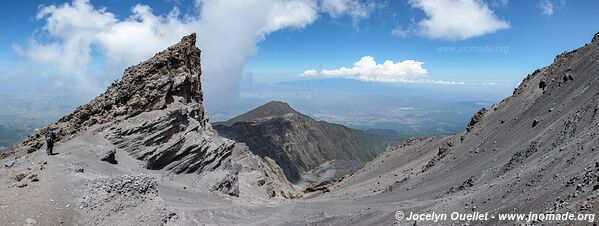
{"x": 367, "y": 69}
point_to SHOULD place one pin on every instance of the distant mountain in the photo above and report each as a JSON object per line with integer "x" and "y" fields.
{"x": 270, "y": 109}
{"x": 297, "y": 142}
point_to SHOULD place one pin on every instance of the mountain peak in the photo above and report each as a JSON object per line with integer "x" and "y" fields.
{"x": 279, "y": 106}
{"x": 172, "y": 75}
{"x": 270, "y": 109}
{"x": 190, "y": 40}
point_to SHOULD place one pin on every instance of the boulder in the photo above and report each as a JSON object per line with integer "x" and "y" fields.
{"x": 228, "y": 185}
{"x": 20, "y": 176}
{"x": 535, "y": 123}
{"x": 109, "y": 156}
{"x": 33, "y": 178}
{"x": 9, "y": 164}
{"x": 477, "y": 117}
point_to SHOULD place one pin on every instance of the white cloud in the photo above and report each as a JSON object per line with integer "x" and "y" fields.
{"x": 549, "y": 7}
{"x": 366, "y": 69}
{"x": 228, "y": 31}
{"x": 500, "y": 3}
{"x": 354, "y": 8}
{"x": 400, "y": 32}
{"x": 457, "y": 19}
{"x": 309, "y": 73}
{"x": 546, "y": 7}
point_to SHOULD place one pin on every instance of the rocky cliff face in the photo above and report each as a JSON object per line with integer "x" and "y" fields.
{"x": 171, "y": 76}
{"x": 297, "y": 142}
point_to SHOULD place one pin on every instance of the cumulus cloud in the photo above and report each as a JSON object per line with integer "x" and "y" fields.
{"x": 367, "y": 69}
{"x": 228, "y": 32}
{"x": 457, "y": 19}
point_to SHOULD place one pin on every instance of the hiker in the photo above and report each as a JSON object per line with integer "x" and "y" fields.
{"x": 50, "y": 141}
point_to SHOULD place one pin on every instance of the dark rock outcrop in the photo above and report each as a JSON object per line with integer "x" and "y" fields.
{"x": 109, "y": 156}
{"x": 228, "y": 185}
{"x": 476, "y": 118}
{"x": 297, "y": 142}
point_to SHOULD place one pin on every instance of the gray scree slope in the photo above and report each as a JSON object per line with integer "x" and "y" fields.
{"x": 536, "y": 151}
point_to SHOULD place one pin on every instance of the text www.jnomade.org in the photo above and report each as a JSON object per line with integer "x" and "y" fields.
{"x": 478, "y": 216}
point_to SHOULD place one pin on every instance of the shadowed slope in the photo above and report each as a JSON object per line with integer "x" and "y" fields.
{"x": 297, "y": 142}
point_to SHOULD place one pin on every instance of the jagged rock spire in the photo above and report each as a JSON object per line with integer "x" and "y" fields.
{"x": 169, "y": 77}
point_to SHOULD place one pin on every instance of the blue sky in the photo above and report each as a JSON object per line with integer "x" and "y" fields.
{"x": 451, "y": 56}
{"x": 532, "y": 41}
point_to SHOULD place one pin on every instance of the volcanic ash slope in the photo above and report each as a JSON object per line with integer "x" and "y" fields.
{"x": 536, "y": 151}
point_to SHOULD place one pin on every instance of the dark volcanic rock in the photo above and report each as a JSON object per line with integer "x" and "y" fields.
{"x": 163, "y": 121}
{"x": 109, "y": 156}
{"x": 228, "y": 185}
{"x": 297, "y": 142}
{"x": 535, "y": 122}
{"x": 20, "y": 176}
{"x": 476, "y": 118}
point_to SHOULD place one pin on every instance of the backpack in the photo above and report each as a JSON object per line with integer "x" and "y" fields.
{"x": 50, "y": 136}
